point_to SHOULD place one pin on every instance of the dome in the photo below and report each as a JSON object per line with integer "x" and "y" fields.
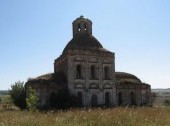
{"x": 83, "y": 41}
{"x": 126, "y": 77}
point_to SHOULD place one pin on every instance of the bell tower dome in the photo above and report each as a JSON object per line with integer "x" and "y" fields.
{"x": 82, "y": 25}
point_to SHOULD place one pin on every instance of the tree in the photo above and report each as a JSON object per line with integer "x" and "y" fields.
{"x": 17, "y": 94}
{"x": 31, "y": 100}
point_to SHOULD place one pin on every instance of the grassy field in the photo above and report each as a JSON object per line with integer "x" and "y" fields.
{"x": 88, "y": 117}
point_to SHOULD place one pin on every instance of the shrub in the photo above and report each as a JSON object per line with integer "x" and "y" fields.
{"x": 17, "y": 94}
{"x": 31, "y": 100}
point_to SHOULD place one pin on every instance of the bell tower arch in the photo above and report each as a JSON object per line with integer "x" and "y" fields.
{"x": 82, "y": 25}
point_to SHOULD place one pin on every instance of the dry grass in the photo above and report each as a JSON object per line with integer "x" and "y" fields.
{"x": 90, "y": 117}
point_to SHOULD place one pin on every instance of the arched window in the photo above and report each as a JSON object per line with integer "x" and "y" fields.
{"x": 80, "y": 98}
{"x": 78, "y": 71}
{"x": 53, "y": 100}
{"x": 85, "y": 27}
{"x": 79, "y": 27}
{"x": 132, "y": 98}
{"x": 119, "y": 98}
{"x": 94, "y": 100}
{"x": 93, "y": 72}
{"x": 144, "y": 98}
{"x": 107, "y": 99}
{"x": 106, "y": 72}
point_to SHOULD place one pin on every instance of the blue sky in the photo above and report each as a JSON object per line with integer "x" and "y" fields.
{"x": 34, "y": 32}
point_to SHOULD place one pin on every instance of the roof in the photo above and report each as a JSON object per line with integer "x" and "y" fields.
{"x": 83, "y": 41}
{"x": 43, "y": 77}
{"x": 82, "y": 18}
{"x": 126, "y": 77}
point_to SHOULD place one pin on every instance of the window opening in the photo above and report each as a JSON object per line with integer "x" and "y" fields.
{"x": 106, "y": 72}
{"x": 78, "y": 74}
{"x": 85, "y": 27}
{"x": 93, "y": 72}
{"x": 79, "y": 28}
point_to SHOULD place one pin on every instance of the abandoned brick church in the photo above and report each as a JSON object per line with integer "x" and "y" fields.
{"x": 87, "y": 70}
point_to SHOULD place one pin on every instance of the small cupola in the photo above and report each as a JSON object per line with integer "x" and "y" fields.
{"x": 82, "y": 25}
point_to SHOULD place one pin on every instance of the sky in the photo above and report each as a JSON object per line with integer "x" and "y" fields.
{"x": 33, "y": 33}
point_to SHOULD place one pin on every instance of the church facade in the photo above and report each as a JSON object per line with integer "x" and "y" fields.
{"x": 88, "y": 71}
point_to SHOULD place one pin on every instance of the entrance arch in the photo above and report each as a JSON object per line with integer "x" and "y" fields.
{"x": 107, "y": 99}
{"x": 132, "y": 98}
{"x": 80, "y": 98}
{"x": 120, "y": 98}
{"x": 94, "y": 100}
{"x": 53, "y": 100}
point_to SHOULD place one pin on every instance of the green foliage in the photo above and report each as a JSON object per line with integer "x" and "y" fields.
{"x": 31, "y": 100}
{"x": 167, "y": 102}
{"x": 17, "y": 94}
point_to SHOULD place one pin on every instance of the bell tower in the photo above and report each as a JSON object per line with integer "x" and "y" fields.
{"x": 82, "y": 25}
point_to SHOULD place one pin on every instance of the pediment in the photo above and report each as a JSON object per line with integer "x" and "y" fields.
{"x": 79, "y": 59}
{"x": 107, "y": 86}
{"x": 79, "y": 85}
{"x": 94, "y": 86}
{"x": 93, "y": 60}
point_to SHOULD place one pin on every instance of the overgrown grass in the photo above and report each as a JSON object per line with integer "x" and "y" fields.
{"x": 89, "y": 117}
